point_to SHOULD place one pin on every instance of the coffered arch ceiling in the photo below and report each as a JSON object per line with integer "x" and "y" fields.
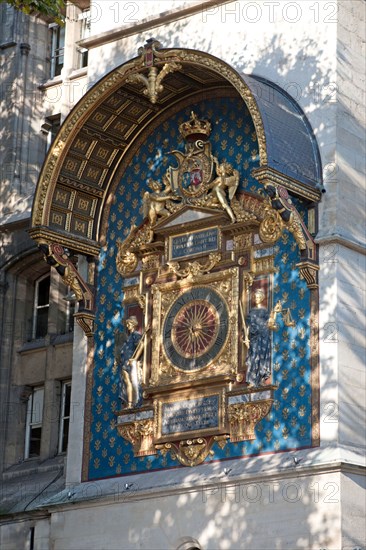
{"x": 95, "y": 141}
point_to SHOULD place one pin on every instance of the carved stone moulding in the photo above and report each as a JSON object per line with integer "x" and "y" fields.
{"x": 269, "y": 175}
{"x": 79, "y": 245}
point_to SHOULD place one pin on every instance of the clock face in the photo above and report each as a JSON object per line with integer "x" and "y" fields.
{"x": 196, "y": 328}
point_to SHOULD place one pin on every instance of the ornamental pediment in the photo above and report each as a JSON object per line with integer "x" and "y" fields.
{"x": 189, "y": 215}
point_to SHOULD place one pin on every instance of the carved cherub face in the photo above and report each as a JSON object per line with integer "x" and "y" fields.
{"x": 155, "y": 185}
{"x": 225, "y": 169}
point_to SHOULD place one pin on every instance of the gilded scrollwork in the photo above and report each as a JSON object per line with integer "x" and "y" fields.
{"x": 191, "y": 452}
{"x": 241, "y": 211}
{"x": 291, "y": 219}
{"x": 127, "y": 256}
{"x": 126, "y": 260}
{"x": 271, "y": 227}
{"x": 150, "y": 261}
{"x": 59, "y": 258}
{"x": 193, "y": 269}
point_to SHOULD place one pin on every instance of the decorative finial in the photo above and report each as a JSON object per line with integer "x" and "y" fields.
{"x": 152, "y": 81}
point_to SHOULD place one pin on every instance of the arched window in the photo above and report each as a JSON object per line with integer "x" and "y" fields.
{"x": 41, "y": 307}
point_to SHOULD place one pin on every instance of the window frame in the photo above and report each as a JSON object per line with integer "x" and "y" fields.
{"x": 64, "y": 417}
{"x": 51, "y": 128}
{"x": 37, "y": 307}
{"x": 57, "y": 45}
{"x": 33, "y": 424}
{"x": 84, "y": 19}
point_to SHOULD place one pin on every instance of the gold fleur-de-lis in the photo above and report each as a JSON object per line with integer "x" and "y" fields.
{"x": 302, "y": 410}
{"x": 284, "y": 393}
{"x": 302, "y": 431}
{"x": 113, "y": 424}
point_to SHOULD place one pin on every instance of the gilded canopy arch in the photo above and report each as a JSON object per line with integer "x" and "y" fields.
{"x": 87, "y": 156}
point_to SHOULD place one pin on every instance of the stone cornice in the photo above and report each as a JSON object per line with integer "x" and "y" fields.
{"x": 347, "y": 242}
{"x": 149, "y": 22}
{"x": 227, "y": 478}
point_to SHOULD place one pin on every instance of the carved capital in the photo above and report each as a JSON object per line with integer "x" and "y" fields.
{"x": 309, "y": 272}
{"x": 243, "y": 418}
{"x": 85, "y": 320}
{"x": 140, "y": 433}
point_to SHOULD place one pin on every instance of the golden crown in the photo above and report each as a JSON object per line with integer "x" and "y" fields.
{"x": 195, "y": 129}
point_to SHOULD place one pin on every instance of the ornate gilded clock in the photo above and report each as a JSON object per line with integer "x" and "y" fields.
{"x": 195, "y": 328}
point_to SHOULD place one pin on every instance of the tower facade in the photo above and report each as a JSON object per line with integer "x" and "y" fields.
{"x": 182, "y": 299}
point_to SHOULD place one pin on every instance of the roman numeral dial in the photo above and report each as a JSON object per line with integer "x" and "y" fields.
{"x": 195, "y": 328}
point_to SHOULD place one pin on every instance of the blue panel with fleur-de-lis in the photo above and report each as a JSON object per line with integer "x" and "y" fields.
{"x": 288, "y": 426}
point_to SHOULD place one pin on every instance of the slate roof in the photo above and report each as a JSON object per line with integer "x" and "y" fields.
{"x": 291, "y": 145}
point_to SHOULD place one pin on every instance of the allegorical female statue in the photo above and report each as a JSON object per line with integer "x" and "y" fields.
{"x": 260, "y": 322}
{"x": 129, "y": 355}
